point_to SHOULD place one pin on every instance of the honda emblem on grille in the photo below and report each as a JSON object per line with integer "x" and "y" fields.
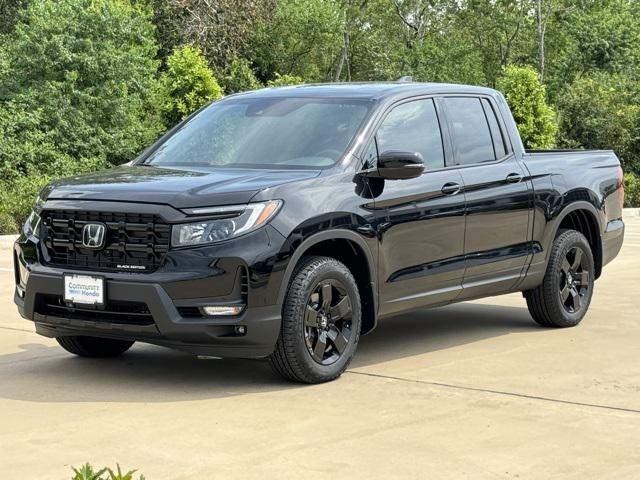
{"x": 93, "y": 235}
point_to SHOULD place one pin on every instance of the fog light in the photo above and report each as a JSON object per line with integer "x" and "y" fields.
{"x": 240, "y": 330}
{"x": 226, "y": 310}
{"x": 20, "y": 291}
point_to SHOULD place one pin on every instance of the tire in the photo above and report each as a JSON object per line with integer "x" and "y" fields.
{"x": 563, "y": 298}
{"x": 94, "y": 347}
{"x": 314, "y": 313}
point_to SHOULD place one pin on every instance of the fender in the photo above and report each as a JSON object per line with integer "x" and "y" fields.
{"x": 332, "y": 235}
{"x": 572, "y": 207}
{"x": 557, "y": 221}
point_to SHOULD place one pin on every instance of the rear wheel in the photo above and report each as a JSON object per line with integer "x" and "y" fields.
{"x": 94, "y": 346}
{"x": 320, "y": 322}
{"x": 564, "y": 296}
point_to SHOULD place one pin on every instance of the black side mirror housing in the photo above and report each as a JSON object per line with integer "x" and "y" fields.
{"x": 397, "y": 165}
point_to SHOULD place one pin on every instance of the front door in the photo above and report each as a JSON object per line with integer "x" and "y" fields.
{"x": 420, "y": 221}
{"x": 498, "y": 197}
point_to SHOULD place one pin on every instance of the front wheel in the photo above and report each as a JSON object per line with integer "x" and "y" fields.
{"x": 321, "y": 321}
{"x": 565, "y": 294}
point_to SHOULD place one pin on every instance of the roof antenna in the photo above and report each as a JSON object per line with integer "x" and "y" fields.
{"x": 406, "y": 78}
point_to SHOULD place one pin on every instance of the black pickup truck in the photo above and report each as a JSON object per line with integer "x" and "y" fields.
{"x": 284, "y": 223}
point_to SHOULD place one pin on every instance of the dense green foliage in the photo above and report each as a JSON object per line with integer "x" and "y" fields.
{"x": 631, "y": 190}
{"x": 75, "y": 94}
{"x": 603, "y": 111}
{"x": 85, "y": 84}
{"x": 239, "y": 77}
{"x": 186, "y": 85}
{"x": 285, "y": 80}
{"x": 526, "y": 97}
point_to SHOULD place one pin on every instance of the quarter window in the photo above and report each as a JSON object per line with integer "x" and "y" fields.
{"x": 496, "y": 134}
{"x": 470, "y": 130}
{"x": 413, "y": 127}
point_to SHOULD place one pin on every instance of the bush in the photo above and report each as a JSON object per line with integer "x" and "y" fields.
{"x": 87, "y": 472}
{"x": 76, "y": 89}
{"x": 631, "y": 190}
{"x": 88, "y": 69}
{"x": 240, "y": 77}
{"x": 18, "y": 193}
{"x": 526, "y": 96}
{"x": 187, "y": 85}
{"x": 284, "y": 81}
{"x": 603, "y": 111}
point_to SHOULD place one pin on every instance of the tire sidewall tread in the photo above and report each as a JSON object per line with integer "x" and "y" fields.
{"x": 291, "y": 358}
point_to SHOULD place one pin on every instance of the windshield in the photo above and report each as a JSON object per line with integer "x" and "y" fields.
{"x": 265, "y": 132}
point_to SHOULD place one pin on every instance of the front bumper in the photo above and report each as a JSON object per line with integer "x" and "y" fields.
{"x": 241, "y": 271}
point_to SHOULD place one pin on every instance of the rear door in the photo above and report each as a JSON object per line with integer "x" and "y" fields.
{"x": 420, "y": 220}
{"x": 498, "y": 196}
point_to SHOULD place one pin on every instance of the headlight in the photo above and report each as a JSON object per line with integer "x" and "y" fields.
{"x": 32, "y": 224}
{"x": 233, "y": 221}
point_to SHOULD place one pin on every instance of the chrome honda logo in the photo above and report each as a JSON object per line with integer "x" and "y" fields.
{"x": 93, "y": 235}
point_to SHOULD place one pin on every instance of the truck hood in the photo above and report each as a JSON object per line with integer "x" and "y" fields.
{"x": 180, "y": 188}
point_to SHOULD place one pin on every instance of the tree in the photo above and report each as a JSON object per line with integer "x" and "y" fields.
{"x": 602, "y": 111}
{"x": 239, "y": 77}
{"x": 545, "y": 11}
{"x": 284, "y": 81}
{"x": 303, "y": 39}
{"x": 499, "y": 29}
{"x": 9, "y": 11}
{"x": 222, "y": 29}
{"x": 88, "y": 69}
{"x": 187, "y": 84}
{"x": 526, "y": 97}
{"x": 75, "y": 94}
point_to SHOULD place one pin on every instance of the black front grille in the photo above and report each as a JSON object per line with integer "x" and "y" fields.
{"x": 133, "y": 242}
{"x": 129, "y": 313}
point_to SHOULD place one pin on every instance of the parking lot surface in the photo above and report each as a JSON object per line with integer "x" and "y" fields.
{"x": 475, "y": 390}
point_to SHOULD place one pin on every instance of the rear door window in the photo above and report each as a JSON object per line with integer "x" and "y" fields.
{"x": 470, "y": 130}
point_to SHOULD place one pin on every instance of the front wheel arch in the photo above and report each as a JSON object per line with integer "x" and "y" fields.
{"x": 319, "y": 244}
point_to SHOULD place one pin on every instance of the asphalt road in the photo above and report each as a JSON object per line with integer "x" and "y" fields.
{"x": 475, "y": 390}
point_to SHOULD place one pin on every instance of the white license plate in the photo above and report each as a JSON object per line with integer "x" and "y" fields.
{"x": 84, "y": 289}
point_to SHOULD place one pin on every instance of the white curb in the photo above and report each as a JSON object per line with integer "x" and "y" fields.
{"x": 6, "y": 241}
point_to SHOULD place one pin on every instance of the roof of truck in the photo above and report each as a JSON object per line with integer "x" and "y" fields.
{"x": 365, "y": 90}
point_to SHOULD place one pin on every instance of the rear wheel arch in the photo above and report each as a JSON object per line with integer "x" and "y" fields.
{"x": 583, "y": 217}
{"x": 351, "y": 249}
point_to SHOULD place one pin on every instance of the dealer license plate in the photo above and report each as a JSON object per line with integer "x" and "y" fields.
{"x": 84, "y": 289}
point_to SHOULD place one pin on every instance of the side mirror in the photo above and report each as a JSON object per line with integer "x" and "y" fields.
{"x": 396, "y": 165}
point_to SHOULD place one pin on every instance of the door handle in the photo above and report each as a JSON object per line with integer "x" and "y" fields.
{"x": 450, "y": 188}
{"x": 514, "y": 178}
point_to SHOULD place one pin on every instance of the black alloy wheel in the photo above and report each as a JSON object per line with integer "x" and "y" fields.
{"x": 321, "y": 321}
{"x": 328, "y": 321}
{"x": 563, "y": 297}
{"x": 574, "y": 279}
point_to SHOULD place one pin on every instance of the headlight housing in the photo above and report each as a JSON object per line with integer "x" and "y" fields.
{"x": 31, "y": 226}
{"x": 230, "y": 222}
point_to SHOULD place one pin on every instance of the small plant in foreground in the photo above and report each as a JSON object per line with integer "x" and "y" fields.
{"x": 87, "y": 472}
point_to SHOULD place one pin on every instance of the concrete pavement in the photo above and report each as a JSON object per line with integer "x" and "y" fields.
{"x": 475, "y": 390}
